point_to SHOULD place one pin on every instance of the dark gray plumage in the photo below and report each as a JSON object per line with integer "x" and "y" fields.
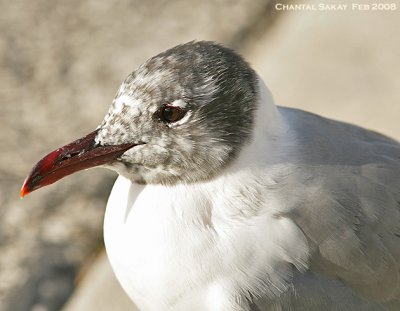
{"x": 208, "y": 78}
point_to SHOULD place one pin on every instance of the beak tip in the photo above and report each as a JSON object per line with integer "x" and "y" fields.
{"x": 24, "y": 191}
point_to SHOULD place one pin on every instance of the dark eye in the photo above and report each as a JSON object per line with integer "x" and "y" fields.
{"x": 172, "y": 113}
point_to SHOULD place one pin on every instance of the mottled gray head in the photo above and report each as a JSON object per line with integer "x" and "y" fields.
{"x": 190, "y": 109}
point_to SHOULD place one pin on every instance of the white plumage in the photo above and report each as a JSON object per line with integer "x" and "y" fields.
{"x": 304, "y": 219}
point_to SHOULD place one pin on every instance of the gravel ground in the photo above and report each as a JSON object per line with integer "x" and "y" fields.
{"x": 62, "y": 62}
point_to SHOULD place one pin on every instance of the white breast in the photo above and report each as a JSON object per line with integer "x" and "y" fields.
{"x": 174, "y": 248}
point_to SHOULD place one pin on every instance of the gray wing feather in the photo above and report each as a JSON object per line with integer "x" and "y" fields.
{"x": 346, "y": 200}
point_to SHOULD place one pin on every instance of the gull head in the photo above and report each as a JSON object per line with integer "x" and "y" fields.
{"x": 181, "y": 117}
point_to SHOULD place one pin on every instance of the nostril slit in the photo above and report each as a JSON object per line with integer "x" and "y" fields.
{"x": 70, "y": 155}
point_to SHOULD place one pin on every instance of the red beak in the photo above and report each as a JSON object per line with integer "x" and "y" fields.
{"x": 81, "y": 154}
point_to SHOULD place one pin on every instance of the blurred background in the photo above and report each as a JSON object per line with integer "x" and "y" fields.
{"x": 61, "y": 64}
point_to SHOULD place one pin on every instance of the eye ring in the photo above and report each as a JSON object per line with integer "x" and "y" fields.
{"x": 171, "y": 114}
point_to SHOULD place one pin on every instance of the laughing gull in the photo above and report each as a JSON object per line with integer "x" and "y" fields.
{"x": 225, "y": 201}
